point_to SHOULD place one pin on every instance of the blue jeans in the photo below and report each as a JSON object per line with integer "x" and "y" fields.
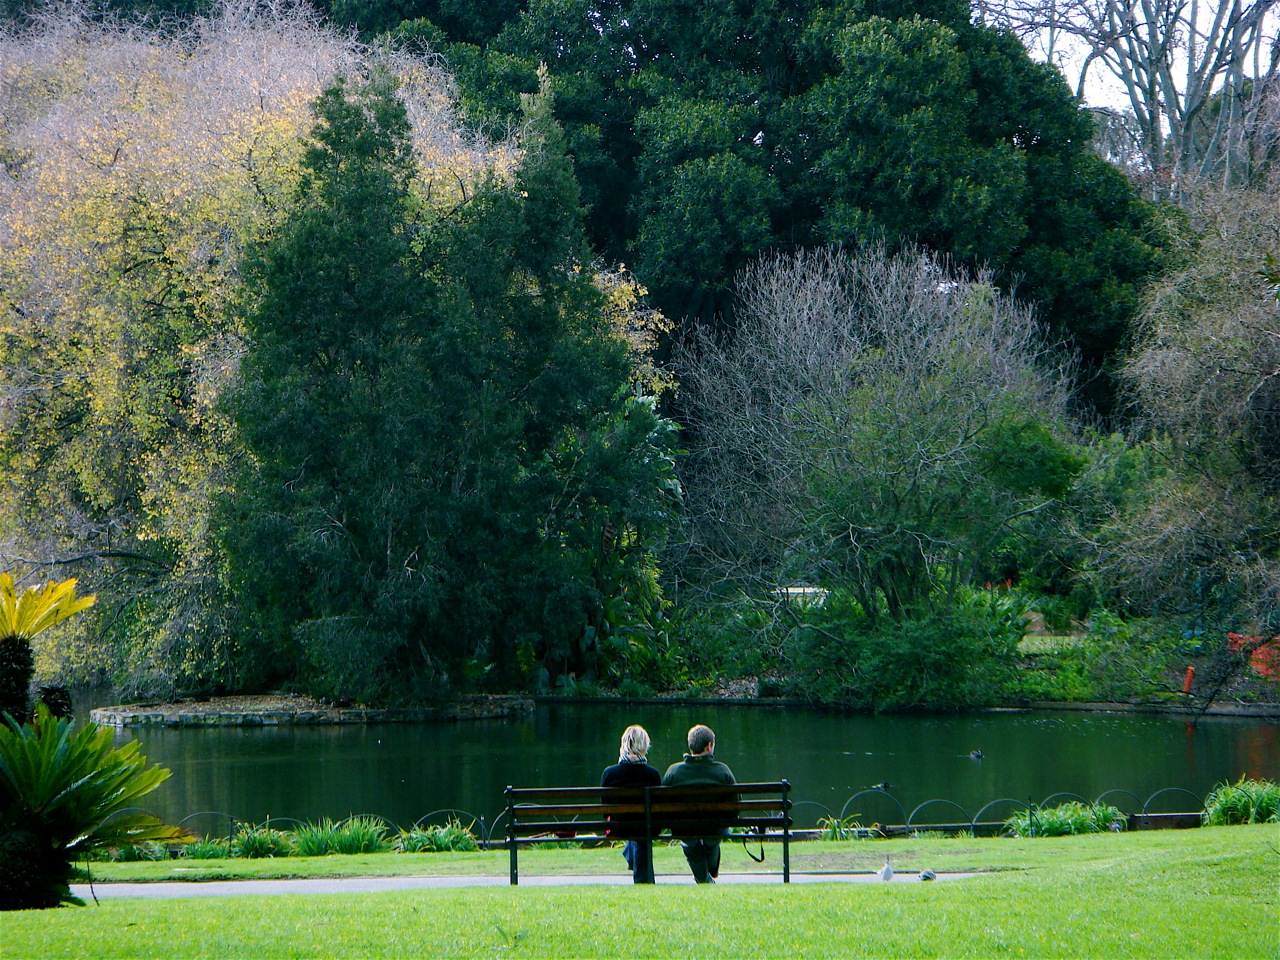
{"x": 703, "y": 855}
{"x": 639, "y": 857}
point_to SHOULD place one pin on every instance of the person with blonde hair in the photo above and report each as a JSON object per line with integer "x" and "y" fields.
{"x": 633, "y": 770}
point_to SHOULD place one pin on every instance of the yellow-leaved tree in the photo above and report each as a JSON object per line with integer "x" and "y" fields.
{"x": 136, "y": 167}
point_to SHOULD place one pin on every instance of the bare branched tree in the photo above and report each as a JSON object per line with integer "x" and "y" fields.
{"x": 1205, "y": 538}
{"x": 1197, "y": 74}
{"x": 866, "y": 427}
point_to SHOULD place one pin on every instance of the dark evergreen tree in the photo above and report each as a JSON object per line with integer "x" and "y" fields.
{"x": 464, "y": 21}
{"x": 438, "y": 424}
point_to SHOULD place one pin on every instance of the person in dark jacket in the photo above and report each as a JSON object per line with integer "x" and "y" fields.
{"x": 633, "y": 770}
{"x": 700, "y": 766}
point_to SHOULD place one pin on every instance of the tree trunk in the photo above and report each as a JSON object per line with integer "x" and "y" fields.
{"x": 17, "y": 667}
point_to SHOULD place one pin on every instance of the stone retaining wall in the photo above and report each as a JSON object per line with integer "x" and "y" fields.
{"x": 211, "y": 714}
{"x": 227, "y": 713}
{"x": 1261, "y": 711}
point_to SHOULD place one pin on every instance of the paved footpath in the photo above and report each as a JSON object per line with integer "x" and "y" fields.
{"x": 235, "y": 888}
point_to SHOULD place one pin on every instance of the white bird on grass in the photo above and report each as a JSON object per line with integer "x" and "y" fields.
{"x": 885, "y": 872}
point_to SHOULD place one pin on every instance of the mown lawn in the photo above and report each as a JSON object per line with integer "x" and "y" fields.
{"x": 1198, "y": 893}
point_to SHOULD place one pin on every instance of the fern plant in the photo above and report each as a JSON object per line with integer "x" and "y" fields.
{"x": 22, "y": 617}
{"x": 65, "y": 793}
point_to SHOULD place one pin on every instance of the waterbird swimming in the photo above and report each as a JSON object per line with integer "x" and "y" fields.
{"x": 886, "y": 785}
{"x": 975, "y": 754}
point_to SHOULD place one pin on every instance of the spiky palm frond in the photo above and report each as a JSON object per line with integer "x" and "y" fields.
{"x": 73, "y": 792}
{"x": 36, "y": 609}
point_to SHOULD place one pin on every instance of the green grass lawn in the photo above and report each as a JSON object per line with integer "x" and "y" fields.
{"x": 1210, "y": 892}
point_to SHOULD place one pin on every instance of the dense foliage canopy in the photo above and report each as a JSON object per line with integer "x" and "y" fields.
{"x": 321, "y": 366}
{"x": 137, "y": 167}
{"x": 707, "y": 134}
{"x": 1200, "y": 538}
{"x": 418, "y": 325}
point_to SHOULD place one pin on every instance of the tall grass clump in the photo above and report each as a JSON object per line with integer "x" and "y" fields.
{"x": 450, "y": 836}
{"x": 1245, "y": 801}
{"x": 314, "y": 839}
{"x": 261, "y": 842}
{"x": 1066, "y": 819}
{"x": 137, "y": 853}
{"x": 837, "y": 828}
{"x": 360, "y": 835}
{"x": 215, "y": 849}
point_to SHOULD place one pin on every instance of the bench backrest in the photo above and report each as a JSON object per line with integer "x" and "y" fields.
{"x": 535, "y": 810}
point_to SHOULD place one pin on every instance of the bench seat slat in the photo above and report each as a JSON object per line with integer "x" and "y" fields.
{"x": 533, "y": 827}
{"x": 715, "y": 806}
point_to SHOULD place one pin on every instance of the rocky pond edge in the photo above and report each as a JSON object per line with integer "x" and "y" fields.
{"x": 296, "y": 709}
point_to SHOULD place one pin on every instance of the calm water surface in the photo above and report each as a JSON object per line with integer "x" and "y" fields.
{"x": 406, "y": 771}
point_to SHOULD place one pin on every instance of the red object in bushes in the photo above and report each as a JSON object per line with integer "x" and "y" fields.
{"x": 1191, "y": 675}
{"x": 1265, "y": 658}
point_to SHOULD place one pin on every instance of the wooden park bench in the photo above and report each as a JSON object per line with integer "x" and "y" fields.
{"x": 539, "y": 814}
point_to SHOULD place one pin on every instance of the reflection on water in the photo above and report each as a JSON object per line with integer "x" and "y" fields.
{"x": 405, "y": 771}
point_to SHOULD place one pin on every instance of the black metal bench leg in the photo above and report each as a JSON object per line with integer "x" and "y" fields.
{"x": 786, "y": 832}
{"x": 515, "y": 867}
{"x": 511, "y": 839}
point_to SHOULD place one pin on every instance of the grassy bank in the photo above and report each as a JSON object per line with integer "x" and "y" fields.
{"x": 1199, "y": 893}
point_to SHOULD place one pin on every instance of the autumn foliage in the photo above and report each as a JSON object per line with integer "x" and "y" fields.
{"x": 1263, "y": 653}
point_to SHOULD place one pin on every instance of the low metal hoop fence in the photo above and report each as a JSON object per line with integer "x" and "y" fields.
{"x": 489, "y": 832}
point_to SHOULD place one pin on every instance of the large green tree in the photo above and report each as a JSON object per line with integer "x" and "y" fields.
{"x": 450, "y": 477}
{"x": 706, "y": 133}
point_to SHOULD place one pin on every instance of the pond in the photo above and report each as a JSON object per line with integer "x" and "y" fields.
{"x": 405, "y": 771}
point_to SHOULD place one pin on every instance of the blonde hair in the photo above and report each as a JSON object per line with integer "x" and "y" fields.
{"x": 635, "y": 742}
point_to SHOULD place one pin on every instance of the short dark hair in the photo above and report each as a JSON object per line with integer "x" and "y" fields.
{"x": 701, "y": 737}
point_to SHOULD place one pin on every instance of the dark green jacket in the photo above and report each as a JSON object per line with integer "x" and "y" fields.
{"x": 700, "y": 769}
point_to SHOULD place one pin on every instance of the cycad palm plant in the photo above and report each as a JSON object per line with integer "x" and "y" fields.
{"x": 64, "y": 792}
{"x": 22, "y": 616}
